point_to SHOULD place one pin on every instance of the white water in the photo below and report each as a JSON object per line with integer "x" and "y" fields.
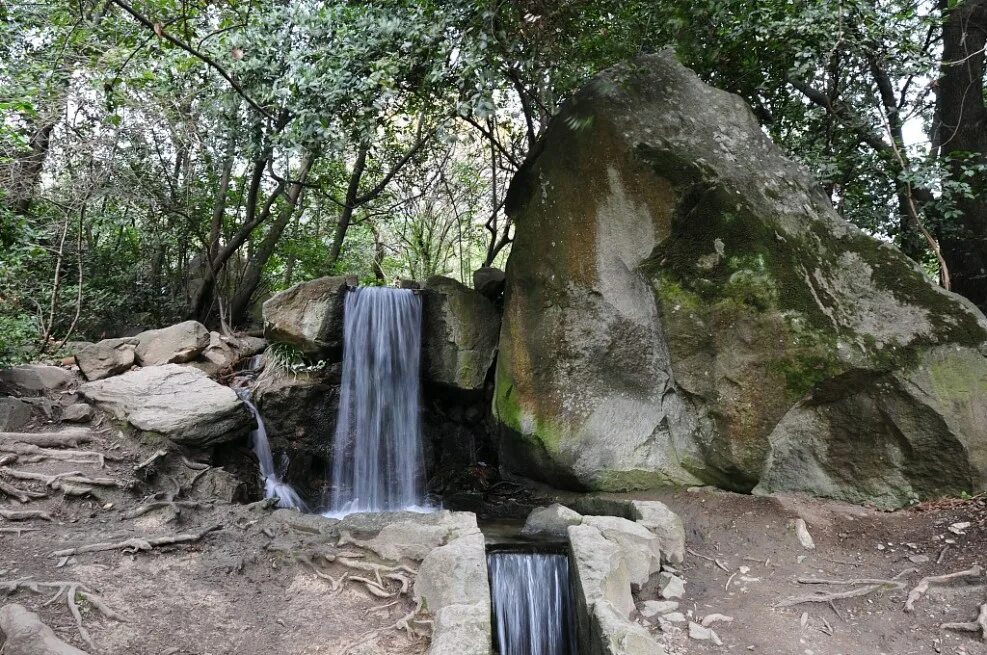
{"x": 533, "y": 609}
{"x": 377, "y": 452}
{"x": 274, "y": 487}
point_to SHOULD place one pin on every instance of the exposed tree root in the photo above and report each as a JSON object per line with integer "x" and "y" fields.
{"x": 7, "y": 459}
{"x": 37, "y": 453}
{"x": 147, "y": 466}
{"x": 923, "y": 586}
{"x": 175, "y": 505}
{"x": 58, "y": 481}
{"x": 21, "y": 495}
{"x": 980, "y": 625}
{"x": 63, "y": 439}
{"x": 378, "y": 586}
{"x": 71, "y": 590}
{"x": 335, "y": 584}
{"x": 405, "y": 623}
{"x": 864, "y": 586}
{"x": 18, "y": 531}
{"x": 24, "y": 515}
{"x": 164, "y": 499}
{"x": 136, "y": 544}
{"x": 195, "y": 466}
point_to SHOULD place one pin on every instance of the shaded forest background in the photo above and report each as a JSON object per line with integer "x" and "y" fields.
{"x": 170, "y": 159}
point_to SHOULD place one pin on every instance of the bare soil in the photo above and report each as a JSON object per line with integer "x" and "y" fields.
{"x": 755, "y": 541}
{"x": 244, "y": 588}
{"x": 250, "y": 587}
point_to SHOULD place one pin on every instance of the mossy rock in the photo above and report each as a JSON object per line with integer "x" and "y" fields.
{"x": 678, "y": 292}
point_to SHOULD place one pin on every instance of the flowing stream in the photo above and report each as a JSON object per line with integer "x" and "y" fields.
{"x": 533, "y": 607}
{"x": 377, "y": 452}
{"x": 273, "y": 485}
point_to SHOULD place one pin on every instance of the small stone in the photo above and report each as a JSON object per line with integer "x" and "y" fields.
{"x": 710, "y": 619}
{"x": 671, "y": 586}
{"x": 880, "y": 546}
{"x": 959, "y": 528}
{"x": 652, "y": 609}
{"x": 918, "y": 559}
{"x": 699, "y": 633}
{"x": 802, "y": 532}
{"x": 77, "y": 413}
{"x": 674, "y": 617}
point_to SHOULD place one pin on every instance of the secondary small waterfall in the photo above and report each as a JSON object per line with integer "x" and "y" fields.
{"x": 273, "y": 485}
{"x": 377, "y": 453}
{"x": 533, "y": 606}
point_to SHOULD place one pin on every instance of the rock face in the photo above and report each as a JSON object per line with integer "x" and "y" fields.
{"x": 106, "y": 358}
{"x": 173, "y": 401}
{"x": 14, "y": 414}
{"x": 175, "y": 344}
{"x": 309, "y": 316}
{"x": 459, "y": 334}
{"x": 683, "y": 305}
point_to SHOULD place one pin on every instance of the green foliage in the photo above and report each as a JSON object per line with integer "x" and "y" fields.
{"x": 445, "y": 98}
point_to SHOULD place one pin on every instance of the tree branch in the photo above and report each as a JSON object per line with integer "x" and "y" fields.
{"x": 212, "y": 63}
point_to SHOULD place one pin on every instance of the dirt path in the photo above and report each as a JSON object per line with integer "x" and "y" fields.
{"x": 755, "y": 541}
{"x": 248, "y": 587}
{"x": 242, "y": 588}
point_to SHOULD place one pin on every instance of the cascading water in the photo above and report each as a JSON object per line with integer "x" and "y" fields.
{"x": 533, "y": 606}
{"x": 377, "y": 453}
{"x": 273, "y": 485}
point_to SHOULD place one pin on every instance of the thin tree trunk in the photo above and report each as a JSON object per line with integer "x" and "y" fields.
{"x": 262, "y": 253}
{"x": 349, "y": 205}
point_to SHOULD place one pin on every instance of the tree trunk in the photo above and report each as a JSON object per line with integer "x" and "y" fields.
{"x": 962, "y": 113}
{"x": 203, "y": 303}
{"x": 349, "y": 205}
{"x": 262, "y": 253}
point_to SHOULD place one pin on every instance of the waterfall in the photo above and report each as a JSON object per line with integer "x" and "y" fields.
{"x": 533, "y": 607}
{"x": 273, "y": 486}
{"x": 377, "y": 453}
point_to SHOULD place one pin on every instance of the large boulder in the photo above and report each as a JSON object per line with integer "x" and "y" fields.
{"x": 106, "y": 358}
{"x": 459, "y": 334}
{"x": 174, "y": 344}
{"x": 309, "y": 316}
{"x": 34, "y": 380}
{"x": 684, "y": 305}
{"x": 178, "y": 402}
